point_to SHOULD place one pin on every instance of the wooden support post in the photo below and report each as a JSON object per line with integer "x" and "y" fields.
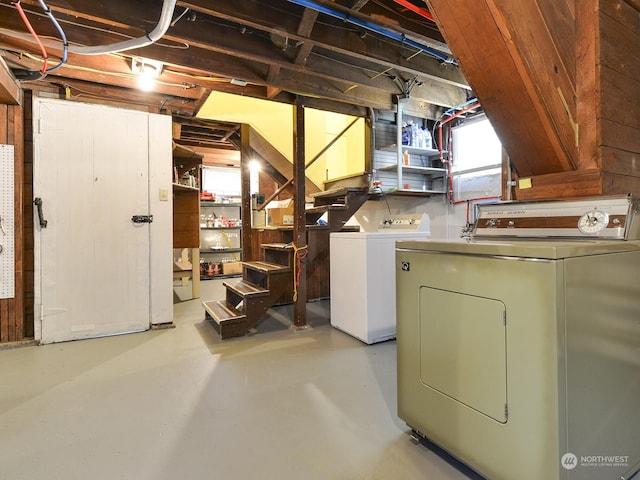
{"x": 245, "y": 189}
{"x": 299, "y": 223}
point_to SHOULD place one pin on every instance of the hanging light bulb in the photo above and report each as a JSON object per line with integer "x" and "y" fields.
{"x": 147, "y": 72}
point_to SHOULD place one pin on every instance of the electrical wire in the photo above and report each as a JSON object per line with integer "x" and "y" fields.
{"x": 179, "y": 17}
{"x": 33, "y": 33}
{"x": 299, "y": 253}
{"x": 65, "y": 44}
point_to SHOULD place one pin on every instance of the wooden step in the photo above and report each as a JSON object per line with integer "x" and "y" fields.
{"x": 265, "y": 267}
{"x": 246, "y": 289}
{"x": 325, "y": 208}
{"x": 276, "y": 246}
{"x": 277, "y": 253}
{"x": 339, "y": 192}
{"x": 227, "y": 320}
{"x": 220, "y": 312}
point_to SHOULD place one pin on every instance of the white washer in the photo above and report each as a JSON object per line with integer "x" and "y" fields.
{"x": 363, "y": 283}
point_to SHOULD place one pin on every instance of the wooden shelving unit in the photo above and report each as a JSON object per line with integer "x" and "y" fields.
{"x": 186, "y": 215}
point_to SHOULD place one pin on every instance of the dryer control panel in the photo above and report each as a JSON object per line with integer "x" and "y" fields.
{"x": 611, "y": 218}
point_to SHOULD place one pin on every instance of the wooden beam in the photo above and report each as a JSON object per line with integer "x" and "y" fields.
{"x": 587, "y": 84}
{"x": 482, "y": 36}
{"x": 370, "y": 49}
{"x": 358, "y": 4}
{"x": 245, "y": 188}
{"x": 10, "y": 91}
{"x": 306, "y": 25}
{"x": 299, "y": 219}
{"x": 634, "y": 4}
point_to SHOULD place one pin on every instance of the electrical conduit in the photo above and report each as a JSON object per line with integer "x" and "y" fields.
{"x": 374, "y": 28}
{"x": 156, "y": 34}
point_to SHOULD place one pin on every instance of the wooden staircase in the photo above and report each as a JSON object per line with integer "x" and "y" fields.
{"x": 269, "y": 282}
{"x": 339, "y": 204}
{"x": 248, "y": 299}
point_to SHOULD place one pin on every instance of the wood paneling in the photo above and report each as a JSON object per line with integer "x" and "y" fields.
{"x": 619, "y": 112}
{"x": 12, "y": 319}
{"x": 186, "y": 219}
{"x": 555, "y": 78}
{"x": 507, "y": 52}
{"x": 584, "y": 183}
{"x": 28, "y": 240}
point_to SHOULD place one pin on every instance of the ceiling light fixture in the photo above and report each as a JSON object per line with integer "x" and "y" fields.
{"x": 147, "y": 72}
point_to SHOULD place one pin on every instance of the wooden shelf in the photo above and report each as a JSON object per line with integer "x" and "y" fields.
{"x": 186, "y": 199}
{"x": 210, "y": 203}
{"x": 430, "y": 171}
{"x": 184, "y": 188}
{"x": 220, "y": 250}
{"x": 430, "y": 152}
{"x": 220, "y": 228}
{"x": 414, "y": 193}
{"x": 215, "y": 277}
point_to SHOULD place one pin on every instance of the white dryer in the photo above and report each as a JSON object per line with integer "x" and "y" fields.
{"x": 519, "y": 349}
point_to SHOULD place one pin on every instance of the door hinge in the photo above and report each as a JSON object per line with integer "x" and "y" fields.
{"x": 506, "y": 411}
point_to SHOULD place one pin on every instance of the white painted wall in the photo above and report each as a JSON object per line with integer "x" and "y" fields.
{"x": 161, "y": 245}
{"x": 446, "y": 220}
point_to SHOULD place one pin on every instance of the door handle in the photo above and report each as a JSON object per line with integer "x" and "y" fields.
{"x": 142, "y": 219}
{"x": 38, "y": 204}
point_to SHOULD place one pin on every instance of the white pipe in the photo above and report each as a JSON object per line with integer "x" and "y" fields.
{"x": 156, "y": 34}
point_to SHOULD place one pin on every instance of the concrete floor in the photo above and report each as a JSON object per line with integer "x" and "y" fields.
{"x": 181, "y": 404}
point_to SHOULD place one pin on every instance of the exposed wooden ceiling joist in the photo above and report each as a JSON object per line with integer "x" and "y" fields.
{"x": 276, "y": 50}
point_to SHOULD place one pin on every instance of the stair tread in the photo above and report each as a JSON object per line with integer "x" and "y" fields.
{"x": 266, "y": 267}
{"x": 246, "y": 289}
{"x": 276, "y": 246}
{"x": 221, "y": 312}
{"x": 325, "y": 208}
{"x": 338, "y": 192}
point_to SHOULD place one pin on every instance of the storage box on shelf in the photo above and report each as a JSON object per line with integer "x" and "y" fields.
{"x": 280, "y": 213}
{"x": 407, "y": 169}
{"x": 220, "y": 239}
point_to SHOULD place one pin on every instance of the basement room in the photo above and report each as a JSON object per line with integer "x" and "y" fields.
{"x": 320, "y": 239}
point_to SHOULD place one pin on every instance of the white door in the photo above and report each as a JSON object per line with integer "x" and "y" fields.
{"x": 91, "y": 168}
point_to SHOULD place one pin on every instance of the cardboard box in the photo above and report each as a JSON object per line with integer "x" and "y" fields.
{"x": 231, "y": 268}
{"x": 280, "y": 212}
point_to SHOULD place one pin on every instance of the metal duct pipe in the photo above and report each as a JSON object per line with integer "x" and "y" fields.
{"x": 374, "y": 28}
{"x": 156, "y": 34}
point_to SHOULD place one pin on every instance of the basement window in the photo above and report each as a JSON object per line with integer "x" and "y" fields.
{"x": 223, "y": 181}
{"x": 477, "y": 160}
